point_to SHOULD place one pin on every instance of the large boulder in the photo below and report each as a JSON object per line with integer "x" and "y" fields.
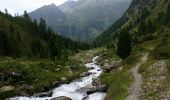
{"x": 107, "y": 66}
{"x": 61, "y": 98}
{"x": 93, "y": 89}
{"x": 99, "y": 88}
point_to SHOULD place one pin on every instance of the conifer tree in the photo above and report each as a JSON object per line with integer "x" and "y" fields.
{"x": 124, "y": 44}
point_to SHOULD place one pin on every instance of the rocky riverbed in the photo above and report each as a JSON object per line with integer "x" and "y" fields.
{"x": 88, "y": 87}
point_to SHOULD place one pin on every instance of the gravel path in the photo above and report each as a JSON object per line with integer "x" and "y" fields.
{"x": 135, "y": 89}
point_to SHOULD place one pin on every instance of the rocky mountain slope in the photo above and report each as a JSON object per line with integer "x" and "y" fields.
{"x": 140, "y": 11}
{"x": 148, "y": 23}
{"x": 83, "y": 19}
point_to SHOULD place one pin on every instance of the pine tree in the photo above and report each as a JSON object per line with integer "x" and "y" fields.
{"x": 150, "y": 26}
{"x": 167, "y": 16}
{"x": 124, "y": 44}
{"x": 26, "y": 16}
{"x": 142, "y": 28}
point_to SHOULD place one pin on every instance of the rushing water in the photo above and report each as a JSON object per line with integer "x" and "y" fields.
{"x": 72, "y": 90}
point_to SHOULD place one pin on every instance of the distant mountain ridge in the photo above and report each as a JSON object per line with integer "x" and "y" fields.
{"x": 82, "y": 20}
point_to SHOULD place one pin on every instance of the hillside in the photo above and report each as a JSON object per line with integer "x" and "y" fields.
{"x": 33, "y": 57}
{"x": 138, "y": 13}
{"x": 82, "y": 20}
{"x": 21, "y": 37}
{"x": 144, "y": 74}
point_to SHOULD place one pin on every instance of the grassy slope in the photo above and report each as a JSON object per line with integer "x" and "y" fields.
{"x": 119, "y": 80}
{"x": 39, "y": 74}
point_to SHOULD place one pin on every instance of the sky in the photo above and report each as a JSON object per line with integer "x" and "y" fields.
{"x": 19, "y": 6}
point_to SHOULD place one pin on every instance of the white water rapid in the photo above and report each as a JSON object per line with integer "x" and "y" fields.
{"x": 72, "y": 90}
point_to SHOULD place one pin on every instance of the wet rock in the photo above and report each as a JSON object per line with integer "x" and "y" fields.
{"x": 63, "y": 79}
{"x": 7, "y": 88}
{"x": 96, "y": 82}
{"x": 62, "y": 98}
{"x": 99, "y": 69}
{"x": 99, "y": 88}
{"x": 56, "y": 83}
{"x": 85, "y": 98}
{"x": 44, "y": 94}
{"x": 90, "y": 68}
{"x": 84, "y": 74}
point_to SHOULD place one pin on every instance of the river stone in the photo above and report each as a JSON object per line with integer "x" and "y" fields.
{"x": 7, "y": 88}
{"x": 96, "y": 82}
{"x": 56, "y": 83}
{"x": 90, "y": 68}
{"x": 100, "y": 88}
{"x": 84, "y": 74}
{"x": 93, "y": 89}
{"x": 44, "y": 94}
{"x": 63, "y": 79}
{"x": 61, "y": 98}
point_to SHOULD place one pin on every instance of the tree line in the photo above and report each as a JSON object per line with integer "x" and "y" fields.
{"x": 20, "y": 36}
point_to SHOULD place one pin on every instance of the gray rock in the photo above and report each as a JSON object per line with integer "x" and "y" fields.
{"x": 93, "y": 89}
{"x": 84, "y": 74}
{"x": 99, "y": 88}
{"x": 56, "y": 83}
{"x": 109, "y": 66}
{"x": 63, "y": 79}
{"x": 7, "y": 88}
{"x": 96, "y": 82}
{"x": 44, "y": 94}
{"x": 61, "y": 98}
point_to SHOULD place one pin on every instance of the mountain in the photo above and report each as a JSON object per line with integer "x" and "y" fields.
{"x": 151, "y": 15}
{"x": 51, "y": 13}
{"x": 83, "y": 20}
{"x": 68, "y": 6}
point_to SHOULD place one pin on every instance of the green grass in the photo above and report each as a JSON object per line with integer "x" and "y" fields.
{"x": 108, "y": 54}
{"x": 118, "y": 83}
{"x": 37, "y": 73}
{"x": 117, "y": 80}
{"x": 143, "y": 67}
{"x": 162, "y": 50}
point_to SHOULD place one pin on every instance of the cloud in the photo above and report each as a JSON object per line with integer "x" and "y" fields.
{"x": 18, "y": 6}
